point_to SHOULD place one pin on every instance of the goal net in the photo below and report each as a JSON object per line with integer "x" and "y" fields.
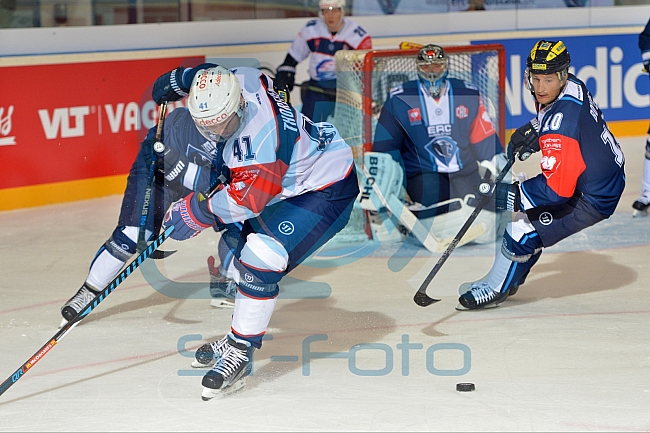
{"x": 365, "y": 77}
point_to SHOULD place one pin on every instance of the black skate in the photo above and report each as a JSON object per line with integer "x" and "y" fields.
{"x": 77, "y": 303}
{"x": 640, "y": 208}
{"x": 207, "y": 354}
{"x": 480, "y": 296}
{"x": 230, "y": 371}
{"x": 222, "y": 289}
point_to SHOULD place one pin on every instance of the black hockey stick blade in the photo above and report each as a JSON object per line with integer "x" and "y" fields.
{"x": 421, "y": 298}
{"x": 161, "y": 254}
{"x": 151, "y": 248}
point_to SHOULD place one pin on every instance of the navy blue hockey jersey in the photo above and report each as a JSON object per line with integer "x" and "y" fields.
{"x": 579, "y": 154}
{"x": 442, "y": 135}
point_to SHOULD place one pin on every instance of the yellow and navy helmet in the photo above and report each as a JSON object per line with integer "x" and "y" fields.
{"x": 548, "y": 57}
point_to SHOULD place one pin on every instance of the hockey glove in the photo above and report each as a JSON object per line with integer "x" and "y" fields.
{"x": 285, "y": 77}
{"x": 506, "y": 195}
{"x": 171, "y": 163}
{"x": 189, "y": 216}
{"x": 169, "y": 87}
{"x": 524, "y": 141}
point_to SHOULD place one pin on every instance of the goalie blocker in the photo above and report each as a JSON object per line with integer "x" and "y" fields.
{"x": 382, "y": 194}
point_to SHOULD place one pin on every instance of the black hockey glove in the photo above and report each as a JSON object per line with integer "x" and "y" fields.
{"x": 169, "y": 87}
{"x": 524, "y": 141}
{"x": 506, "y": 195}
{"x": 171, "y": 163}
{"x": 285, "y": 77}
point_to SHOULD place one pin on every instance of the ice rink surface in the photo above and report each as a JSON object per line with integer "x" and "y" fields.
{"x": 347, "y": 349}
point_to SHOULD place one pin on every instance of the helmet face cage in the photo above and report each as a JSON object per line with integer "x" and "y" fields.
{"x": 433, "y": 65}
{"x": 216, "y": 103}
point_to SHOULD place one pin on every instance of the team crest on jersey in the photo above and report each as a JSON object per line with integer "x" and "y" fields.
{"x": 462, "y": 111}
{"x": 415, "y": 117}
{"x": 548, "y": 163}
{"x": 240, "y": 187}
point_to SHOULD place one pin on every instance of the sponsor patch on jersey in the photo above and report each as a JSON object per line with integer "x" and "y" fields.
{"x": 551, "y": 143}
{"x": 545, "y": 218}
{"x": 415, "y": 116}
{"x": 462, "y": 111}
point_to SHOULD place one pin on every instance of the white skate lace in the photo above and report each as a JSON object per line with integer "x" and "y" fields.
{"x": 218, "y": 347}
{"x": 482, "y": 293}
{"x": 81, "y": 299}
{"x": 231, "y": 359}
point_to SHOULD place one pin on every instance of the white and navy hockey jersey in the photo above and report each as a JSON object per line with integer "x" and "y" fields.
{"x": 443, "y": 135}
{"x": 579, "y": 154}
{"x": 276, "y": 154}
{"x": 315, "y": 38}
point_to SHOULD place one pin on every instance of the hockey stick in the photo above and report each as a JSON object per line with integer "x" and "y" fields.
{"x": 395, "y": 207}
{"x": 135, "y": 263}
{"x": 421, "y": 298}
{"x": 306, "y": 86}
{"x": 142, "y": 243}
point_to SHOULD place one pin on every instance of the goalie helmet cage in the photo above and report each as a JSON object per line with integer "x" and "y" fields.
{"x": 365, "y": 77}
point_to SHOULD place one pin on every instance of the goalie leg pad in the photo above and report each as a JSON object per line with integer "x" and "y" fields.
{"x": 386, "y": 175}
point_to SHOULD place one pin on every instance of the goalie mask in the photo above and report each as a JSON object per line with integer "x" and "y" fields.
{"x": 432, "y": 65}
{"x": 216, "y": 103}
{"x": 547, "y": 57}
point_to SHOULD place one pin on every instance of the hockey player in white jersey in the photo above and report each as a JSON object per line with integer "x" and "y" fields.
{"x": 321, "y": 38}
{"x": 293, "y": 184}
{"x": 187, "y": 162}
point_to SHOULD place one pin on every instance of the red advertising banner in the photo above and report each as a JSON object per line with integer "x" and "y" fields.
{"x": 75, "y": 121}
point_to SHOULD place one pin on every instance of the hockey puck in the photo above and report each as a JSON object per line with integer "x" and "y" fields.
{"x": 465, "y": 387}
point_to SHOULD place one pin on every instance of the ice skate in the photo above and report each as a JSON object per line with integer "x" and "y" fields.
{"x": 222, "y": 288}
{"x": 230, "y": 370}
{"x": 75, "y": 304}
{"x": 641, "y": 205}
{"x": 480, "y": 296}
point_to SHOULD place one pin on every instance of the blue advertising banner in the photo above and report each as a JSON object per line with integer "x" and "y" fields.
{"x": 610, "y": 65}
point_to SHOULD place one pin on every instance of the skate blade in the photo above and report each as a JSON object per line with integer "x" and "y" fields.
{"x": 209, "y": 393}
{"x": 640, "y": 213}
{"x": 461, "y": 307}
{"x": 197, "y": 364}
{"x": 222, "y": 303}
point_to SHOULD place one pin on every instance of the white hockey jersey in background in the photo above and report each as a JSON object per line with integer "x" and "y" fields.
{"x": 315, "y": 38}
{"x": 276, "y": 154}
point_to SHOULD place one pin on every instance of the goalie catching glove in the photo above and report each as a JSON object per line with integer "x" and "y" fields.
{"x": 524, "y": 142}
{"x": 189, "y": 216}
{"x": 506, "y": 195}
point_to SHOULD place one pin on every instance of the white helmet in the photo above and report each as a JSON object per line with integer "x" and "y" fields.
{"x": 332, "y": 4}
{"x": 216, "y": 103}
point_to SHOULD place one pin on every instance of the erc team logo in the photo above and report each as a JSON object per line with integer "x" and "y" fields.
{"x": 286, "y": 227}
{"x": 415, "y": 117}
{"x": 462, "y": 111}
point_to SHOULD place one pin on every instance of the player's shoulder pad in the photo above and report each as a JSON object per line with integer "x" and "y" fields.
{"x": 396, "y": 90}
{"x": 463, "y": 87}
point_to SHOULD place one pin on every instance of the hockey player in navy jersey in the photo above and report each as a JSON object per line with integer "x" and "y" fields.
{"x": 643, "y": 202}
{"x": 321, "y": 38}
{"x": 439, "y": 129}
{"x": 187, "y": 162}
{"x": 581, "y": 182}
{"x": 293, "y": 185}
